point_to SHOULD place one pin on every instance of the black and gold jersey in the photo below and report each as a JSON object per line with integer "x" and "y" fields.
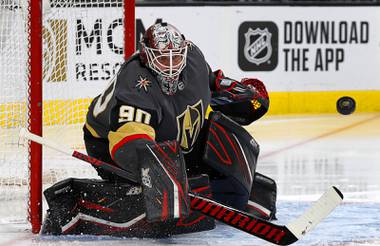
{"x": 133, "y": 105}
{"x": 133, "y": 110}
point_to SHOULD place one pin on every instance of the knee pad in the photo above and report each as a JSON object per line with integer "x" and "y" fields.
{"x": 227, "y": 190}
{"x": 263, "y": 197}
{"x": 233, "y": 152}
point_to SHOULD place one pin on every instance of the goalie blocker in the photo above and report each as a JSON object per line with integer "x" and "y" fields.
{"x": 164, "y": 181}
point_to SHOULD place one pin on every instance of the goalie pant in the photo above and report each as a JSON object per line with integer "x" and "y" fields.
{"x": 96, "y": 207}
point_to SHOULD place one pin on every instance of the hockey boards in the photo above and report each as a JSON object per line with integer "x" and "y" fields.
{"x": 268, "y": 231}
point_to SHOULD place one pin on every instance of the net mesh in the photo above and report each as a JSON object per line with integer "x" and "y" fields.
{"x": 82, "y": 49}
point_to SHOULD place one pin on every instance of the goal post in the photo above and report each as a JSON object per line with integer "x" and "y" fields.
{"x": 129, "y": 28}
{"x": 55, "y": 55}
{"x": 35, "y": 102}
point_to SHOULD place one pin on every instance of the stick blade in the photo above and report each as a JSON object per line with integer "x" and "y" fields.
{"x": 315, "y": 214}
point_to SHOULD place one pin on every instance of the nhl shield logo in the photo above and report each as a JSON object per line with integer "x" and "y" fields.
{"x": 257, "y": 48}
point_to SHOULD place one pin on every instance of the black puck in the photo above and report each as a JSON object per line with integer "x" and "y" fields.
{"x": 345, "y": 105}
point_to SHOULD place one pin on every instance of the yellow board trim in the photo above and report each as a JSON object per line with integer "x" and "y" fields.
{"x": 55, "y": 112}
{"x": 64, "y": 112}
{"x": 320, "y": 102}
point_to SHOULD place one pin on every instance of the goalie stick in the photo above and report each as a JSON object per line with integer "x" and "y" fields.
{"x": 277, "y": 234}
{"x": 25, "y": 134}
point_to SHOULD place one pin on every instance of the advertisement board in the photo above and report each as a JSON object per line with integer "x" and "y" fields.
{"x": 299, "y": 52}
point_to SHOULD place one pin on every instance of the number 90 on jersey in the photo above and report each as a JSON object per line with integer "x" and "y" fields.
{"x": 130, "y": 113}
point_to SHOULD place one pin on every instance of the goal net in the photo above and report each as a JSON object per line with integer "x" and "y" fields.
{"x": 82, "y": 47}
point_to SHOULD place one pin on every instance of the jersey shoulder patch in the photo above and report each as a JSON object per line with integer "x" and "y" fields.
{"x": 136, "y": 86}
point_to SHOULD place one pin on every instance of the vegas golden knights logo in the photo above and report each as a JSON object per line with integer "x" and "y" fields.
{"x": 189, "y": 124}
{"x": 55, "y": 50}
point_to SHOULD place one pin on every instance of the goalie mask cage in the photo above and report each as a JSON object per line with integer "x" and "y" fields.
{"x": 55, "y": 55}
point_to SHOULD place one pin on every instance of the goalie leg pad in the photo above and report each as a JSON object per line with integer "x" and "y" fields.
{"x": 164, "y": 181}
{"x": 262, "y": 201}
{"x": 229, "y": 191}
{"x": 96, "y": 207}
{"x": 233, "y": 152}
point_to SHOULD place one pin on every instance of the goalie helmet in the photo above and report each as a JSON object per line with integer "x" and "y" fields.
{"x": 164, "y": 50}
